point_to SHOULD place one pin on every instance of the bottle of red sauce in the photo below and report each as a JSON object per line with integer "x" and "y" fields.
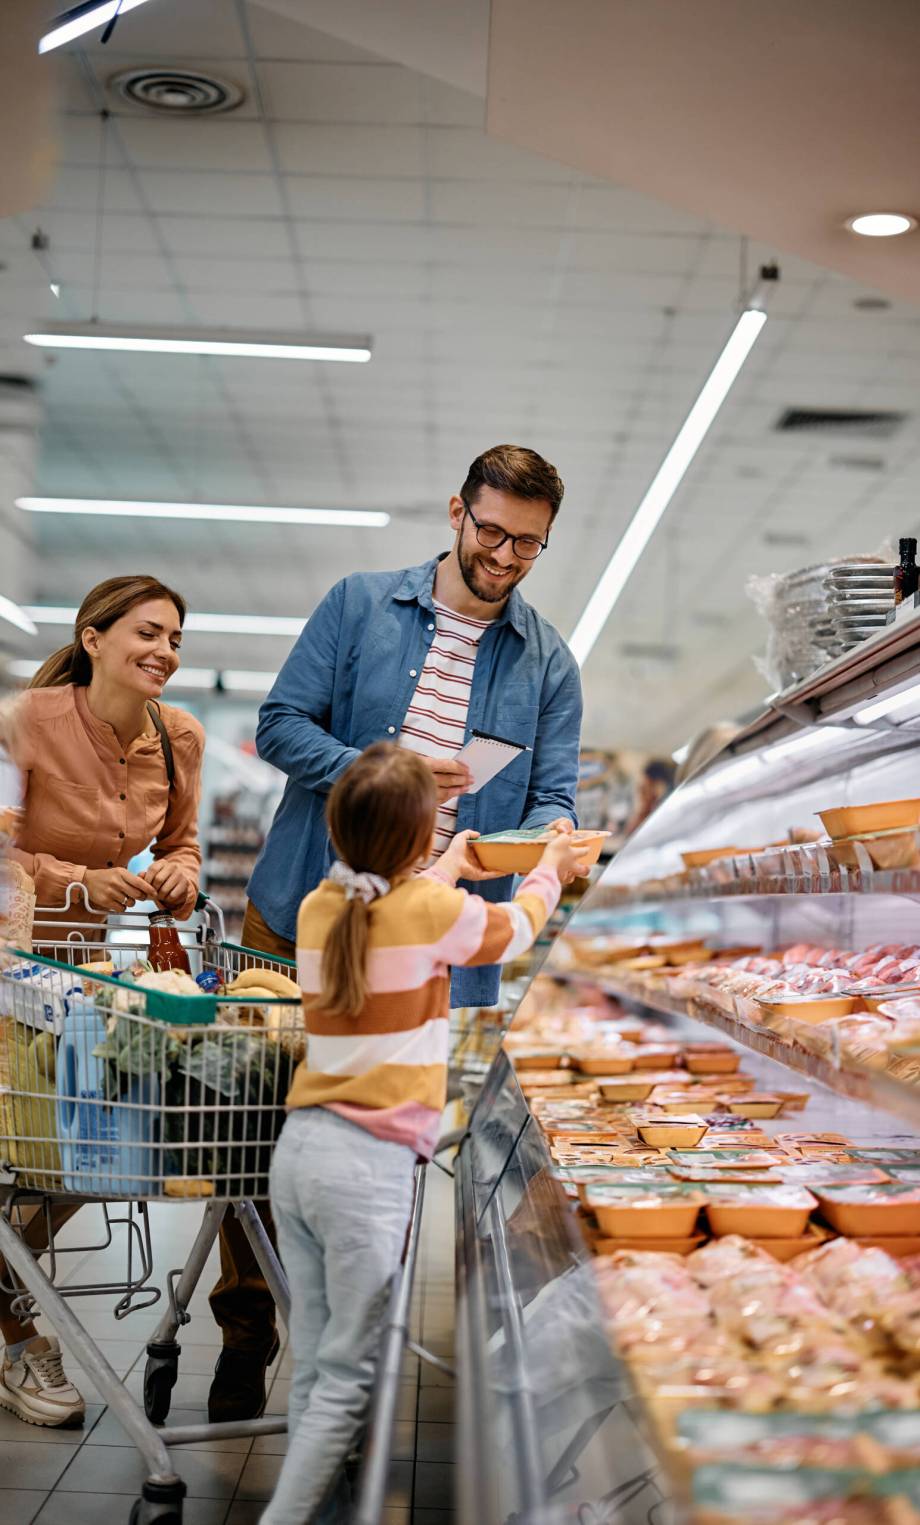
{"x": 166, "y": 951}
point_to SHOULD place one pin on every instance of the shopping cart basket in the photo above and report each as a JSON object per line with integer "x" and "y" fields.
{"x": 113, "y": 1090}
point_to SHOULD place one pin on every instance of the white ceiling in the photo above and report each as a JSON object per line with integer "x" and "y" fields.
{"x": 510, "y": 298}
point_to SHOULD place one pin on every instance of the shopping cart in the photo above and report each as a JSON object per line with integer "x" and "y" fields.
{"x": 113, "y": 1091}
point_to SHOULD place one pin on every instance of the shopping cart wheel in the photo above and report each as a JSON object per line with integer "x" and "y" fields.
{"x": 160, "y": 1375}
{"x": 159, "y": 1504}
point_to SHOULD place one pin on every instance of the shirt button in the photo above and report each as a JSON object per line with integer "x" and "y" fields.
{"x": 430, "y": 627}
{"x": 122, "y": 761}
{"x": 413, "y": 672}
{"x": 122, "y": 796}
{"x": 121, "y": 834}
{"x": 110, "y": 864}
{"x": 391, "y": 729}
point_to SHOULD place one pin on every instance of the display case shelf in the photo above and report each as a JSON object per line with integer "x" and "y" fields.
{"x": 872, "y": 1087}
{"x": 813, "y": 879}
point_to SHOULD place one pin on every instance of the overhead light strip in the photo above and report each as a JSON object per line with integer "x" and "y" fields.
{"x": 81, "y": 19}
{"x": 203, "y": 679}
{"x": 199, "y": 624}
{"x": 13, "y": 615}
{"x": 216, "y": 513}
{"x": 252, "y": 344}
{"x": 665, "y": 483}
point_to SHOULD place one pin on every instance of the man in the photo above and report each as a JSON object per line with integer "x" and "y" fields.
{"x": 425, "y": 656}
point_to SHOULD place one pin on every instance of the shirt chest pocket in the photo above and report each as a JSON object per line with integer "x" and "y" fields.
{"x": 69, "y": 816}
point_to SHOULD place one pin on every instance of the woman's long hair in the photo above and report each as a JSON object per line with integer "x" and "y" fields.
{"x": 103, "y": 605}
{"x": 381, "y": 816}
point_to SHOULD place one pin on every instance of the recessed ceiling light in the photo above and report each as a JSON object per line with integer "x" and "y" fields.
{"x": 881, "y": 224}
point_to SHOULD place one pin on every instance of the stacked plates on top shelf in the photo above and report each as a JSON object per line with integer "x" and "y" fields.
{"x": 860, "y": 596}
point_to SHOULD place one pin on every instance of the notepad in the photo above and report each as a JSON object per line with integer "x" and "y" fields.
{"x": 485, "y": 756}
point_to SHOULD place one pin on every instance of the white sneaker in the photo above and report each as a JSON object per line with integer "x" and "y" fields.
{"x": 36, "y": 1388}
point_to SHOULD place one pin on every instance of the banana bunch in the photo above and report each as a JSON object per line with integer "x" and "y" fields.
{"x": 282, "y": 1023}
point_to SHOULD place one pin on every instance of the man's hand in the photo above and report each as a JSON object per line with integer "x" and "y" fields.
{"x": 114, "y": 889}
{"x": 167, "y": 883}
{"x": 452, "y": 777}
{"x": 460, "y": 862}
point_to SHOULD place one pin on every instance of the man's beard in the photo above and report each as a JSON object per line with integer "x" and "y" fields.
{"x": 478, "y": 582}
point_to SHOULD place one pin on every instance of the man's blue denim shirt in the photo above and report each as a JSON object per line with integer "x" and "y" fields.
{"x": 348, "y": 682}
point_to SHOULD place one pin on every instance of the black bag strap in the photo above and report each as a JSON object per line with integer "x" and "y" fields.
{"x": 153, "y": 711}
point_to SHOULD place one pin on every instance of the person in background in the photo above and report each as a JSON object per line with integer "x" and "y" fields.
{"x": 655, "y": 784}
{"x": 106, "y": 769}
{"x": 421, "y": 656}
{"x": 375, "y": 945}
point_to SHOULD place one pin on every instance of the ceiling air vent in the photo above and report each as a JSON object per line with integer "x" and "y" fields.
{"x": 185, "y": 92}
{"x": 853, "y": 421}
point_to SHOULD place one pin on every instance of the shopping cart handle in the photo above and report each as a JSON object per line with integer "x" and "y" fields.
{"x": 202, "y": 901}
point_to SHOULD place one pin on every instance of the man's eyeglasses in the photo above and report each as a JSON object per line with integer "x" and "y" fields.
{"x": 527, "y": 547}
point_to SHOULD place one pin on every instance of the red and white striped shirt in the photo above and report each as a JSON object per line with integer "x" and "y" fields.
{"x": 435, "y": 723}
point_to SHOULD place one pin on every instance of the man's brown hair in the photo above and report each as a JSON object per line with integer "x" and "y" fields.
{"x": 517, "y": 470}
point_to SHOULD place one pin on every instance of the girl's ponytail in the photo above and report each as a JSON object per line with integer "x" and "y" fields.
{"x": 69, "y": 665}
{"x": 344, "y": 967}
{"x": 381, "y": 818}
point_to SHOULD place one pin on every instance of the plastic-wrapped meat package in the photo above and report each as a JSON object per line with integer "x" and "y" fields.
{"x": 650, "y": 1298}
{"x": 725, "y": 1257}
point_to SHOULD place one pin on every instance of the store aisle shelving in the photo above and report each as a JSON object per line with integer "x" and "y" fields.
{"x": 82, "y": 1477}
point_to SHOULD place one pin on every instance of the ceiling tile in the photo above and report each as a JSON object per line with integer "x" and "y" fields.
{"x": 220, "y": 143}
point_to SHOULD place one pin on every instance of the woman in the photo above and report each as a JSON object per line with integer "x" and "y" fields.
{"x": 107, "y": 771}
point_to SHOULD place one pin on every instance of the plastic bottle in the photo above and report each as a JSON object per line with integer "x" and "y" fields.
{"x": 107, "y": 1137}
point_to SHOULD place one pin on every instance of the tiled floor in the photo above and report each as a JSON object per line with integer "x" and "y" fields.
{"x": 91, "y": 1477}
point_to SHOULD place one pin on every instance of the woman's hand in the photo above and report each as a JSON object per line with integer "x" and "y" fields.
{"x": 563, "y": 855}
{"x": 460, "y": 862}
{"x": 168, "y": 883}
{"x": 114, "y": 889}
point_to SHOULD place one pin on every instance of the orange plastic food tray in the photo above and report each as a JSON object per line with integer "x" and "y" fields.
{"x": 521, "y": 857}
{"x": 853, "y": 820}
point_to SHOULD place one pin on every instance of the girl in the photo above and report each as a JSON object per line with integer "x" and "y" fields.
{"x": 106, "y": 770}
{"x": 375, "y": 942}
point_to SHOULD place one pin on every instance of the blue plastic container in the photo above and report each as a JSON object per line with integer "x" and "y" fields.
{"x": 109, "y": 1145}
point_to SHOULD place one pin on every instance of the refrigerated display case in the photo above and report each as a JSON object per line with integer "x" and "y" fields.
{"x": 550, "y": 1429}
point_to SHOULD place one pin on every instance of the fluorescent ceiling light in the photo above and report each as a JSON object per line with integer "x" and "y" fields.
{"x": 55, "y": 288}
{"x": 240, "y": 680}
{"x": 681, "y": 754}
{"x": 15, "y": 616}
{"x": 83, "y": 18}
{"x": 193, "y": 677}
{"x": 882, "y": 224}
{"x": 248, "y": 343}
{"x": 219, "y": 513}
{"x": 887, "y": 706}
{"x": 201, "y": 624}
{"x": 668, "y": 478}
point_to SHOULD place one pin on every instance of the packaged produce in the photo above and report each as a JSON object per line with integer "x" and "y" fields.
{"x": 608, "y": 1060}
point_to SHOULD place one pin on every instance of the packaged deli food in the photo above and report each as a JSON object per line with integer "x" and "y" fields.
{"x": 759, "y": 1212}
{"x": 637, "y": 1212}
{"x": 863, "y": 1210}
